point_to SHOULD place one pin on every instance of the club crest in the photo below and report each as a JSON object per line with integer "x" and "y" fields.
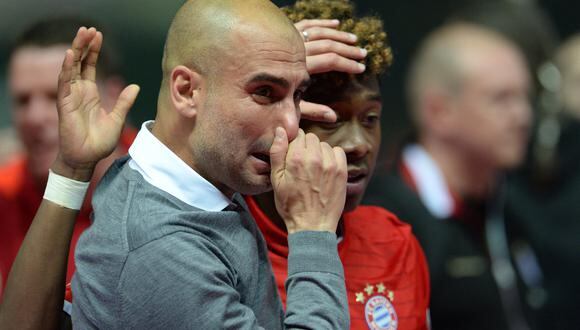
{"x": 379, "y": 310}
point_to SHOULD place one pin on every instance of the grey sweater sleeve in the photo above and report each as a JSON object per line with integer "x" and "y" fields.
{"x": 315, "y": 287}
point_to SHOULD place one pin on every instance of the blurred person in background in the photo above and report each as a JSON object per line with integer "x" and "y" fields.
{"x": 34, "y": 292}
{"x": 541, "y": 198}
{"x": 543, "y": 208}
{"x": 385, "y": 269}
{"x": 468, "y": 89}
{"x": 34, "y": 65}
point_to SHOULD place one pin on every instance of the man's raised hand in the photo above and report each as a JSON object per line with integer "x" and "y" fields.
{"x": 309, "y": 182}
{"x": 88, "y": 132}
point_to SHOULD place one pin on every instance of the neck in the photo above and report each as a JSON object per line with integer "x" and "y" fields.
{"x": 464, "y": 174}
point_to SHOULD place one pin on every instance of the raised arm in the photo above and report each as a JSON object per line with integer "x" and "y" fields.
{"x": 34, "y": 293}
{"x": 309, "y": 182}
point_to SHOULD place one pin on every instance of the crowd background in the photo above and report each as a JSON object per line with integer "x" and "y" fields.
{"x": 137, "y": 30}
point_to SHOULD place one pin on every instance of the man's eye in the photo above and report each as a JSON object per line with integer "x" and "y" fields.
{"x": 22, "y": 100}
{"x": 371, "y": 120}
{"x": 263, "y": 95}
{"x": 264, "y": 92}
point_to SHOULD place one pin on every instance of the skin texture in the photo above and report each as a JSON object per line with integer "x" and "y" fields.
{"x": 220, "y": 114}
{"x": 88, "y": 133}
{"x": 471, "y": 107}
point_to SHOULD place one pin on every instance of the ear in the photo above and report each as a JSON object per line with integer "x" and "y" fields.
{"x": 185, "y": 88}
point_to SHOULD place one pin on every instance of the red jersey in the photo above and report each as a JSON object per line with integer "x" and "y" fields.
{"x": 387, "y": 279}
{"x": 21, "y": 197}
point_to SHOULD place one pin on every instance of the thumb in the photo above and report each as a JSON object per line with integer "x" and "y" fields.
{"x": 125, "y": 101}
{"x": 278, "y": 151}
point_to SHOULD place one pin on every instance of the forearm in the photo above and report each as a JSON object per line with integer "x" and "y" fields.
{"x": 36, "y": 282}
{"x": 315, "y": 286}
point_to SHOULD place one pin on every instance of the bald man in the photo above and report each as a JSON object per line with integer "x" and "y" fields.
{"x": 468, "y": 91}
{"x": 172, "y": 244}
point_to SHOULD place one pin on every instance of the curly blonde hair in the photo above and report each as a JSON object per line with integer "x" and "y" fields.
{"x": 368, "y": 29}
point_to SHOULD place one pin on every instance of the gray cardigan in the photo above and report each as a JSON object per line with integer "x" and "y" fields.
{"x": 150, "y": 261}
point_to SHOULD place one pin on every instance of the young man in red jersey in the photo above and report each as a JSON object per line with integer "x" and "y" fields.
{"x": 385, "y": 269}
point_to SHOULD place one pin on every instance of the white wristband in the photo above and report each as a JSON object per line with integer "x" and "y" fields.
{"x": 64, "y": 191}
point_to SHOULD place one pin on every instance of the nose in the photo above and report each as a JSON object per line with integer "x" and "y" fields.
{"x": 290, "y": 120}
{"x": 356, "y": 144}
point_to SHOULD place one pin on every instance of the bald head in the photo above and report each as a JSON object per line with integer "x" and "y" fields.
{"x": 201, "y": 28}
{"x": 448, "y": 56}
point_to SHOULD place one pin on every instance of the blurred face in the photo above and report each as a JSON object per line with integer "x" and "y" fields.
{"x": 492, "y": 116}
{"x": 257, "y": 89}
{"x": 357, "y": 131}
{"x": 33, "y": 74}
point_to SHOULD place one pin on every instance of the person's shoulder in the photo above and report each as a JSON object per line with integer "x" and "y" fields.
{"x": 377, "y": 214}
{"x": 379, "y": 221}
{"x": 12, "y": 175}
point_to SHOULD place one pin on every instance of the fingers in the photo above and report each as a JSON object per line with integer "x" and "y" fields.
{"x": 298, "y": 144}
{"x": 308, "y": 23}
{"x": 341, "y": 162}
{"x": 333, "y": 62}
{"x": 316, "y": 112}
{"x": 328, "y": 158}
{"x": 89, "y": 64}
{"x": 278, "y": 152}
{"x": 330, "y": 46}
{"x": 81, "y": 41}
{"x": 321, "y": 33}
{"x": 334, "y": 160}
{"x": 125, "y": 102}
{"x": 65, "y": 76}
{"x": 313, "y": 144}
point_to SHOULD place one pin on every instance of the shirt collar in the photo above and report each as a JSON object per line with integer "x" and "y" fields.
{"x": 429, "y": 181}
{"x": 165, "y": 170}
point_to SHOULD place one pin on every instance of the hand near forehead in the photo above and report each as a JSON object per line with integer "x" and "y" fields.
{"x": 327, "y": 49}
{"x": 309, "y": 182}
{"x": 88, "y": 132}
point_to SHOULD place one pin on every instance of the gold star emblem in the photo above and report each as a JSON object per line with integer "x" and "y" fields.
{"x": 391, "y": 295}
{"x": 360, "y": 297}
{"x": 381, "y": 288}
{"x": 369, "y": 289}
